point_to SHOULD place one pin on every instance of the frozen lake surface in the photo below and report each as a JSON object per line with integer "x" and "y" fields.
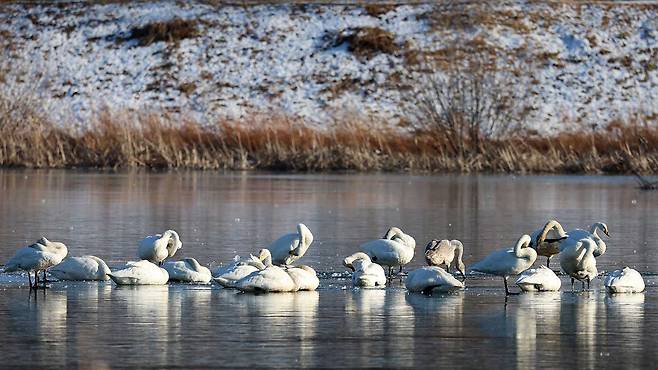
{"x": 97, "y": 325}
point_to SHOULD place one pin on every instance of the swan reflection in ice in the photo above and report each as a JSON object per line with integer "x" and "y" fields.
{"x": 625, "y": 322}
{"x": 374, "y": 314}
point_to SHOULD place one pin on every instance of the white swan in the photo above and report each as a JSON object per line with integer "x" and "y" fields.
{"x": 140, "y": 273}
{"x": 432, "y": 278}
{"x": 37, "y": 257}
{"x": 304, "y": 276}
{"x": 395, "y": 249}
{"x": 366, "y": 273}
{"x": 291, "y": 247}
{"x": 81, "y": 268}
{"x": 577, "y": 259}
{"x": 188, "y": 270}
{"x": 541, "y": 279}
{"x": 506, "y": 262}
{"x": 270, "y": 279}
{"x": 546, "y": 240}
{"x": 578, "y": 234}
{"x": 442, "y": 253}
{"x": 627, "y": 280}
{"x": 156, "y": 248}
{"x": 227, "y": 276}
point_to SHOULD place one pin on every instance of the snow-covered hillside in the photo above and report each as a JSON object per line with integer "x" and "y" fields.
{"x": 587, "y": 63}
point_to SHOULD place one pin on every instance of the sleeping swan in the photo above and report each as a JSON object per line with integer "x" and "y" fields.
{"x": 81, "y": 268}
{"x": 187, "y": 270}
{"x": 140, "y": 273}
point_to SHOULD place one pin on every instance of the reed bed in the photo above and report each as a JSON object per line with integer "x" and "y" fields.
{"x": 124, "y": 140}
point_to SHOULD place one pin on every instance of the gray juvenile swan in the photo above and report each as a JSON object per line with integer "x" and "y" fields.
{"x": 442, "y": 253}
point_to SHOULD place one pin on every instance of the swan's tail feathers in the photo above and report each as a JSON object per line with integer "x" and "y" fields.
{"x": 226, "y": 283}
{"x": 122, "y": 280}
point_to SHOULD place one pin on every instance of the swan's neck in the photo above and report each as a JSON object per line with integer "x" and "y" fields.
{"x": 589, "y": 250}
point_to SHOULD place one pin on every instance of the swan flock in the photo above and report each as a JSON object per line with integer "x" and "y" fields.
{"x": 276, "y": 269}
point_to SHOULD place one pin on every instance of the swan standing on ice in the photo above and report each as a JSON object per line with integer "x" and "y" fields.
{"x": 81, "y": 268}
{"x": 37, "y": 257}
{"x": 228, "y": 276}
{"x": 541, "y": 279}
{"x": 366, "y": 273}
{"x": 432, "y": 278}
{"x": 270, "y": 279}
{"x": 546, "y": 240}
{"x": 577, "y": 260}
{"x": 291, "y": 247}
{"x": 506, "y": 262}
{"x": 442, "y": 253}
{"x": 188, "y": 270}
{"x": 395, "y": 249}
{"x": 140, "y": 273}
{"x": 627, "y": 280}
{"x": 578, "y": 234}
{"x": 156, "y": 248}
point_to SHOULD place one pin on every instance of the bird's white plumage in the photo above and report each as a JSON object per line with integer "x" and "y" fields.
{"x": 81, "y": 268}
{"x": 579, "y": 234}
{"x": 37, "y": 257}
{"x": 367, "y": 274}
{"x": 395, "y": 249}
{"x": 577, "y": 258}
{"x": 626, "y": 280}
{"x": 140, "y": 273}
{"x": 541, "y": 279}
{"x": 229, "y": 275}
{"x": 508, "y": 261}
{"x": 305, "y": 277}
{"x": 432, "y": 278}
{"x": 156, "y": 248}
{"x": 271, "y": 279}
{"x": 291, "y": 247}
{"x": 187, "y": 270}
{"x": 444, "y": 253}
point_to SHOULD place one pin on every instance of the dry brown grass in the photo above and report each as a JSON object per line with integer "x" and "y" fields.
{"x": 172, "y": 30}
{"x": 366, "y": 42}
{"x": 123, "y": 140}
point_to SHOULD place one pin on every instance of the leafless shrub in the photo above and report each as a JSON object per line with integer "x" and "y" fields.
{"x": 468, "y": 102}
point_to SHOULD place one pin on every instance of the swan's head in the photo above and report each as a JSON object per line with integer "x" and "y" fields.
{"x": 192, "y": 263}
{"x": 349, "y": 261}
{"x": 174, "y": 243}
{"x": 392, "y": 232}
{"x": 552, "y": 225}
{"x": 265, "y": 256}
{"x": 433, "y": 244}
{"x": 600, "y": 226}
{"x": 103, "y": 268}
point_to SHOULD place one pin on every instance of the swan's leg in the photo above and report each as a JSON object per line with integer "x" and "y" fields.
{"x": 572, "y": 288}
{"x": 548, "y": 261}
{"x": 44, "y": 278}
{"x": 400, "y": 273}
{"x": 390, "y": 272}
{"x": 447, "y": 267}
{"x": 29, "y": 277}
{"x": 582, "y": 285}
{"x": 588, "y": 281}
{"x": 505, "y": 282}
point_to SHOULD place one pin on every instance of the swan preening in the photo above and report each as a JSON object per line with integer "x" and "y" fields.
{"x": 187, "y": 270}
{"x": 626, "y": 280}
{"x": 541, "y": 279}
{"x": 546, "y": 240}
{"x": 140, "y": 273}
{"x": 432, "y": 278}
{"x": 395, "y": 249}
{"x": 230, "y": 274}
{"x": 274, "y": 278}
{"x": 577, "y": 260}
{"x": 508, "y": 261}
{"x": 81, "y": 268}
{"x": 156, "y": 248}
{"x": 444, "y": 252}
{"x": 366, "y": 273}
{"x": 37, "y": 257}
{"x": 291, "y": 247}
